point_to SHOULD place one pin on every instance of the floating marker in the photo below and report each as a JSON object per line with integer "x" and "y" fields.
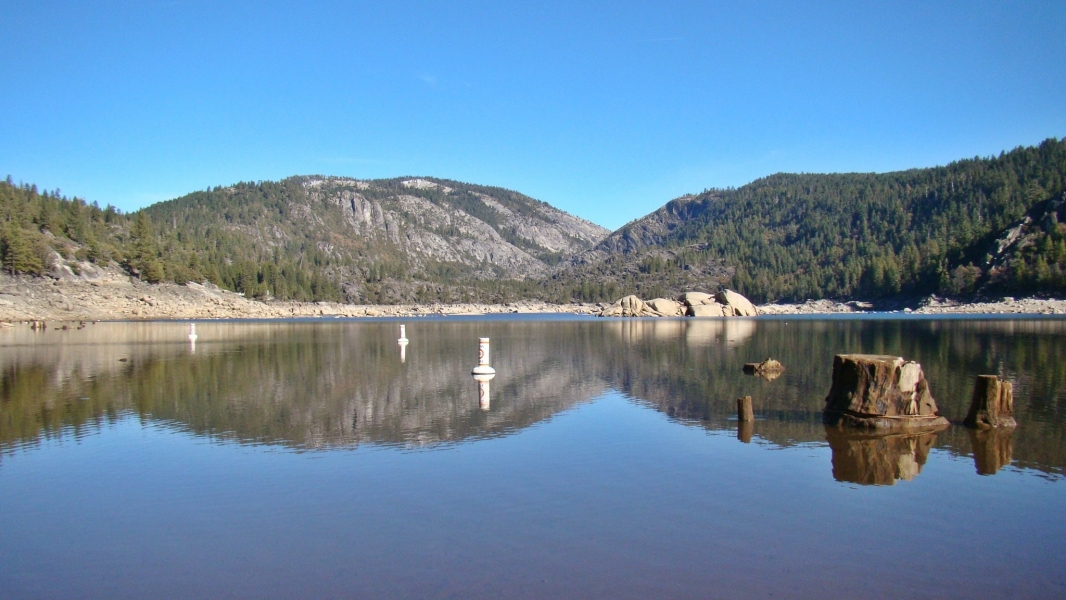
{"x": 192, "y": 336}
{"x": 483, "y": 367}
{"x": 403, "y": 341}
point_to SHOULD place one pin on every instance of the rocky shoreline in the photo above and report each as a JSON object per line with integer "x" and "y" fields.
{"x": 110, "y": 295}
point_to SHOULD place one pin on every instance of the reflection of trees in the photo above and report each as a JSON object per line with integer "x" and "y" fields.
{"x": 330, "y": 384}
{"x": 302, "y": 385}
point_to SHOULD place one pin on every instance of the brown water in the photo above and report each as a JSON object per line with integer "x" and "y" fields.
{"x": 305, "y": 459}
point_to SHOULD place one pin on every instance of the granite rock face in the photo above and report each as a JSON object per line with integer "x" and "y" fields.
{"x": 992, "y": 405}
{"x": 735, "y": 304}
{"x": 880, "y": 392}
{"x": 693, "y": 304}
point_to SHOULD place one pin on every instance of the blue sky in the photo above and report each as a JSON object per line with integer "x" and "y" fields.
{"x": 606, "y": 110}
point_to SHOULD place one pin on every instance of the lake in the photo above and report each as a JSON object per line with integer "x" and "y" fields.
{"x": 323, "y": 459}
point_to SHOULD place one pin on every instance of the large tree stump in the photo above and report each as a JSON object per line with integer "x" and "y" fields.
{"x": 992, "y": 404}
{"x": 880, "y": 392}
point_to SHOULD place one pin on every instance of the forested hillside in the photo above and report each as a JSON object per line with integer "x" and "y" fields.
{"x": 982, "y": 225}
{"x": 309, "y": 238}
{"x": 989, "y": 224}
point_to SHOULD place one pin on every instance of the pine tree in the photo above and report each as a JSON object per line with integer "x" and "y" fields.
{"x": 20, "y": 255}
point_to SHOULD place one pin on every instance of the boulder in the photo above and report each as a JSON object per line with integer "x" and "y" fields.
{"x": 695, "y": 298}
{"x": 880, "y": 392}
{"x": 666, "y": 308}
{"x": 706, "y": 310}
{"x": 736, "y": 305}
{"x": 629, "y": 306}
{"x": 879, "y": 459}
{"x": 992, "y": 404}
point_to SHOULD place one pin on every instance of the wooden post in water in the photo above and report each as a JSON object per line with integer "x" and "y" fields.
{"x": 744, "y": 412}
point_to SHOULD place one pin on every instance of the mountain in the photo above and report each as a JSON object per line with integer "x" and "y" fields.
{"x": 379, "y": 241}
{"x": 983, "y": 224}
{"x": 989, "y": 225}
{"x": 308, "y": 238}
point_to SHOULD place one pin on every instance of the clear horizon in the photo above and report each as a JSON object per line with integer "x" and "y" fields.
{"x": 606, "y": 111}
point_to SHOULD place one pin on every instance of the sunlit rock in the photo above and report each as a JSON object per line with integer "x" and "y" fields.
{"x": 706, "y": 310}
{"x": 735, "y": 304}
{"x": 666, "y": 308}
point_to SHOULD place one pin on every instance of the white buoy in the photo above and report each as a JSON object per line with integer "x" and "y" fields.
{"x": 403, "y": 341}
{"x": 483, "y": 367}
{"x": 192, "y": 336}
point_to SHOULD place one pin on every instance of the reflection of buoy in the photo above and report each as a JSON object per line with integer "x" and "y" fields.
{"x": 403, "y": 341}
{"x": 192, "y": 336}
{"x": 483, "y": 389}
{"x": 483, "y": 367}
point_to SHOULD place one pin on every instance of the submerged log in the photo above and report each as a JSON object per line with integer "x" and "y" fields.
{"x": 880, "y": 392}
{"x": 992, "y": 404}
{"x": 879, "y": 459}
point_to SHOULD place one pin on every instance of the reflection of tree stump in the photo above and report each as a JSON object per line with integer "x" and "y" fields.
{"x": 992, "y": 449}
{"x": 992, "y": 404}
{"x": 744, "y": 431}
{"x": 872, "y": 459}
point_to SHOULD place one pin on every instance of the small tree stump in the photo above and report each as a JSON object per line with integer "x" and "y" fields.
{"x": 992, "y": 404}
{"x": 744, "y": 412}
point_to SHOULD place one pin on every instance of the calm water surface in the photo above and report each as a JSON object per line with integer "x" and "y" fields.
{"x": 305, "y": 459}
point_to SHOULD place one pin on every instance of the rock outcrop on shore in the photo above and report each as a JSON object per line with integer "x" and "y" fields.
{"x": 725, "y": 303}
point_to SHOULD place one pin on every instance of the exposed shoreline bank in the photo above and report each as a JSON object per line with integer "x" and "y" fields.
{"x": 114, "y": 296}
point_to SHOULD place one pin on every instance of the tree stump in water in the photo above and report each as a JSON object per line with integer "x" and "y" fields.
{"x": 992, "y": 404}
{"x": 880, "y": 392}
{"x": 744, "y": 412}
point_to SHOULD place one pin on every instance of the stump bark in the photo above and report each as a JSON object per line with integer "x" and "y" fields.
{"x": 744, "y": 411}
{"x": 880, "y": 392}
{"x": 992, "y": 404}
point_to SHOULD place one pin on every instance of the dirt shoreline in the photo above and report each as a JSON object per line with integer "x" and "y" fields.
{"x": 106, "y": 295}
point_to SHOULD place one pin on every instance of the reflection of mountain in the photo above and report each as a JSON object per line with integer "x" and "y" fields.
{"x": 303, "y": 385}
{"x": 342, "y": 383}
